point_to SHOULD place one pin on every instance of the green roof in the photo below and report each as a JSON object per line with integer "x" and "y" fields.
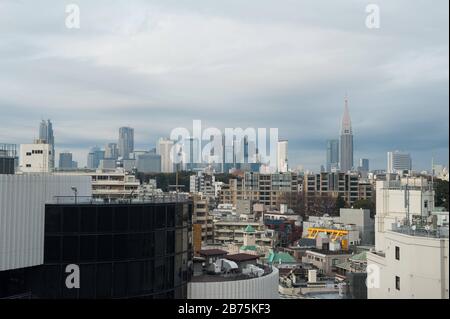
{"x": 280, "y": 257}
{"x": 248, "y": 247}
{"x": 249, "y": 229}
{"x": 359, "y": 257}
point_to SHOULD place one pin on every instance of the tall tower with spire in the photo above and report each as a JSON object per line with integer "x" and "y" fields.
{"x": 346, "y": 156}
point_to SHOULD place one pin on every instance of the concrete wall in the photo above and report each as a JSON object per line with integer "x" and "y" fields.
{"x": 22, "y": 207}
{"x": 390, "y": 208}
{"x": 422, "y": 268}
{"x": 361, "y": 218}
{"x": 265, "y": 287}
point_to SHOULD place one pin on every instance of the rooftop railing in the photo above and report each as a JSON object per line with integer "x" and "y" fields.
{"x": 89, "y": 200}
{"x": 438, "y": 232}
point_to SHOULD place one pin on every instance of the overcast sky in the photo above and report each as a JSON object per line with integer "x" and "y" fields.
{"x": 157, "y": 65}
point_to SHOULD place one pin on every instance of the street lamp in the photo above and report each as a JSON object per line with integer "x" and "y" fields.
{"x": 75, "y": 190}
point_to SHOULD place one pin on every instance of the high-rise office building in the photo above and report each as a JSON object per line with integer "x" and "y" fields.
{"x": 126, "y": 142}
{"x": 111, "y": 151}
{"x": 282, "y": 156}
{"x": 46, "y": 134}
{"x": 94, "y": 157}
{"x": 332, "y": 154}
{"x": 164, "y": 148}
{"x": 148, "y": 163}
{"x": 398, "y": 161}
{"x": 65, "y": 160}
{"x": 346, "y": 156}
{"x": 192, "y": 155}
{"x": 364, "y": 164}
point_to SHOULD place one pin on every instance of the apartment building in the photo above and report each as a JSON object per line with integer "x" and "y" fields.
{"x": 267, "y": 189}
{"x": 345, "y": 185}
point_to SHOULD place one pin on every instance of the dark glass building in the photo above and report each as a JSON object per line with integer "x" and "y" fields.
{"x": 134, "y": 250}
{"x": 8, "y": 158}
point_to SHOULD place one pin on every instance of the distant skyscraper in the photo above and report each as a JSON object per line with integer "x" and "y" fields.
{"x": 164, "y": 148}
{"x": 126, "y": 142}
{"x": 149, "y": 163}
{"x": 192, "y": 156}
{"x": 364, "y": 164}
{"x": 398, "y": 161}
{"x": 332, "y": 154}
{"x": 282, "y": 156}
{"x": 111, "y": 151}
{"x": 65, "y": 160}
{"x": 346, "y": 155}
{"x": 46, "y": 134}
{"x": 94, "y": 157}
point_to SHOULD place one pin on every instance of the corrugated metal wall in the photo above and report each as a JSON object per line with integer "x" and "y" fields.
{"x": 258, "y": 288}
{"x": 22, "y": 205}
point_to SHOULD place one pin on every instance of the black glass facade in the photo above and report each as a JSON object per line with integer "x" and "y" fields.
{"x": 122, "y": 250}
{"x": 7, "y": 165}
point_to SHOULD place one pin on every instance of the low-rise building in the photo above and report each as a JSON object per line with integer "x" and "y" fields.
{"x": 414, "y": 265}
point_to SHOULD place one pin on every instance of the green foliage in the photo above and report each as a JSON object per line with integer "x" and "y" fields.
{"x": 441, "y": 193}
{"x": 365, "y": 204}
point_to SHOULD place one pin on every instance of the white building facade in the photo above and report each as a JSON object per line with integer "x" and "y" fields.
{"x": 164, "y": 148}
{"x": 282, "y": 156}
{"x": 411, "y": 267}
{"x": 36, "y": 158}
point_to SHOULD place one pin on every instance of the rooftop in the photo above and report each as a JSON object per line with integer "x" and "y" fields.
{"x": 150, "y": 199}
{"x": 438, "y": 232}
{"x": 213, "y": 252}
{"x": 230, "y": 276}
{"x": 330, "y": 252}
{"x": 241, "y": 257}
{"x": 280, "y": 257}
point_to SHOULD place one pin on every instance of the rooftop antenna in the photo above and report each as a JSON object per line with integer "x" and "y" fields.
{"x": 407, "y": 200}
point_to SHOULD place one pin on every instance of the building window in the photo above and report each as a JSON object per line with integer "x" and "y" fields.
{"x": 397, "y": 252}
{"x": 397, "y": 282}
{"x": 28, "y": 165}
{"x": 425, "y": 204}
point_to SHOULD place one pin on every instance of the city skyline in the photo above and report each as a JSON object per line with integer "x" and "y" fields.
{"x": 284, "y": 70}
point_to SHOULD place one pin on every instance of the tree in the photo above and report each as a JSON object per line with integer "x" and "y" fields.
{"x": 365, "y": 204}
{"x": 321, "y": 205}
{"x": 441, "y": 193}
{"x": 340, "y": 203}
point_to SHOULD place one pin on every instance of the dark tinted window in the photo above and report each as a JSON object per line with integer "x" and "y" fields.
{"x": 88, "y": 248}
{"x": 88, "y": 219}
{"x": 104, "y": 247}
{"x": 120, "y": 279}
{"x": 120, "y": 246}
{"x": 160, "y": 217}
{"x": 160, "y": 239}
{"x": 171, "y": 216}
{"x": 52, "y": 249}
{"x": 136, "y": 222}
{"x": 70, "y": 220}
{"x": 104, "y": 280}
{"x": 148, "y": 218}
{"x": 70, "y": 249}
{"x": 52, "y": 219}
{"x": 170, "y": 242}
{"x": 104, "y": 218}
{"x": 121, "y": 219}
{"x": 87, "y": 281}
